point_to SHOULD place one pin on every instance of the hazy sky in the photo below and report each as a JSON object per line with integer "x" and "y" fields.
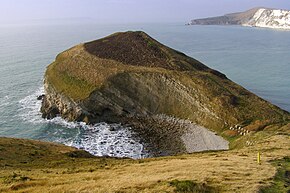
{"x": 123, "y": 11}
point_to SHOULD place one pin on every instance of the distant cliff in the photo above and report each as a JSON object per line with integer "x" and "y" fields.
{"x": 256, "y": 17}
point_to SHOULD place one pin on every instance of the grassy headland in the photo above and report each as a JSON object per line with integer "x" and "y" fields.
{"x": 128, "y": 74}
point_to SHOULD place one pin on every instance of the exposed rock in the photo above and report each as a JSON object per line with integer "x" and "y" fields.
{"x": 257, "y": 17}
{"x": 54, "y": 104}
{"x": 270, "y": 18}
{"x": 132, "y": 79}
{"x": 40, "y": 97}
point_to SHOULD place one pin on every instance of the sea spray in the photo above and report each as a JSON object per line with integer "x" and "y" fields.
{"x": 100, "y": 139}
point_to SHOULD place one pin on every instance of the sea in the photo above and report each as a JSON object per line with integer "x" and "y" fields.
{"x": 256, "y": 58}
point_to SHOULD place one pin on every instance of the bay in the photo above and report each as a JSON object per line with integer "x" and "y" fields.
{"x": 256, "y": 58}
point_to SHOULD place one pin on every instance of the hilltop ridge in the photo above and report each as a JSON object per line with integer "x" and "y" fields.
{"x": 139, "y": 49}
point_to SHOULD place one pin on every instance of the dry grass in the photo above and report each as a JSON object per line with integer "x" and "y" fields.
{"x": 78, "y": 73}
{"x": 228, "y": 171}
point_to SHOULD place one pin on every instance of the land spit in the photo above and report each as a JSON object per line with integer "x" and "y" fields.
{"x": 132, "y": 79}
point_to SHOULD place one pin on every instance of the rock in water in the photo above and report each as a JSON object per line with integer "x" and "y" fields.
{"x": 131, "y": 78}
{"x": 40, "y": 97}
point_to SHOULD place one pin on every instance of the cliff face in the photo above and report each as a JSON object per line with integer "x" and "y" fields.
{"x": 228, "y": 19}
{"x": 257, "y": 17}
{"x": 55, "y": 103}
{"x": 131, "y": 78}
{"x": 269, "y": 18}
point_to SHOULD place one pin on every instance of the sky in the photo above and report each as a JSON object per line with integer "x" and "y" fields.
{"x": 126, "y": 11}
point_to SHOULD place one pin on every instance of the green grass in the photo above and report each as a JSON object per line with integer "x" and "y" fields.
{"x": 188, "y": 186}
{"x": 281, "y": 181}
{"x": 14, "y": 177}
{"x": 75, "y": 88}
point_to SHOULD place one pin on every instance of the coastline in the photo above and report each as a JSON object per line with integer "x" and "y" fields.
{"x": 267, "y": 27}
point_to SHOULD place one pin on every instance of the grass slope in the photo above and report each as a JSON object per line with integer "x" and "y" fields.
{"x": 28, "y": 166}
{"x": 281, "y": 182}
{"x": 32, "y": 166}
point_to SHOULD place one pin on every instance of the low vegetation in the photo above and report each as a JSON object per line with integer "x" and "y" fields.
{"x": 75, "y": 88}
{"x": 188, "y": 186}
{"x": 31, "y": 166}
{"x": 281, "y": 181}
{"x": 162, "y": 81}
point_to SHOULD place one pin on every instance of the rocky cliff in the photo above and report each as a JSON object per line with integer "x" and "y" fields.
{"x": 133, "y": 79}
{"x": 257, "y": 17}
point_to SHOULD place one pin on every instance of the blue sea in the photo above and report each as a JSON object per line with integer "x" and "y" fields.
{"x": 256, "y": 58}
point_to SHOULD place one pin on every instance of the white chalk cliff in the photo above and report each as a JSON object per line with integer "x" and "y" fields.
{"x": 270, "y": 18}
{"x": 256, "y": 17}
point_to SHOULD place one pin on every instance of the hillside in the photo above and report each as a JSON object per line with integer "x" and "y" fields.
{"x": 165, "y": 97}
{"x": 256, "y": 17}
{"x": 33, "y": 166}
{"x": 159, "y": 92}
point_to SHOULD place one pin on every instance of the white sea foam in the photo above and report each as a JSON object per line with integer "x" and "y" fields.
{"x": 30, "y": 107}
{"x": 101, "y": 139}
{"x": 104, "y": 139}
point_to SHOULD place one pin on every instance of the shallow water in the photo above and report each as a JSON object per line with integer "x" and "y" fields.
{"x": 258, "y": 59}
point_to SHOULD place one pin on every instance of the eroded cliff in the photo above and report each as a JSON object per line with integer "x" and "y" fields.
{"x": 131, "y": 78}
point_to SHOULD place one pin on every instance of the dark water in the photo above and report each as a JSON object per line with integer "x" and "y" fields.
{"x": 258, "y": 59}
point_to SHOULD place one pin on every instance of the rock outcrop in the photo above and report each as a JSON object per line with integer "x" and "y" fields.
{"x": 257, "y": 17}
{"x": 131, "y": 78}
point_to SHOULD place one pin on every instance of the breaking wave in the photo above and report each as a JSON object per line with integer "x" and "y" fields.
{"x": 101, "y": 139}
